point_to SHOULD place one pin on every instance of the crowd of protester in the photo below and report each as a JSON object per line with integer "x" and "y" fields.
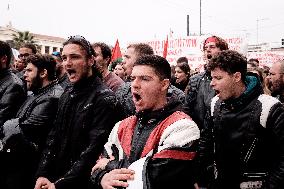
{"x": 74, "y": 119}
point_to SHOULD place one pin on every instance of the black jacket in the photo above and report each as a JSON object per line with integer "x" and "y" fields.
{"x": 25, "y": 136}
{"x": 232, "y": 129}
{"x": 37, "y": 114}
{"x": 87, "y": 112}
{"x": 12, "y": 95}
{"x": 198, "y": 98}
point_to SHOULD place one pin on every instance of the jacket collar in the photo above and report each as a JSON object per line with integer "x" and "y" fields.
{"x": 253, "y": 90}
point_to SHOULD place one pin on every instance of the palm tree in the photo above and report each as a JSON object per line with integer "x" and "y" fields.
{"x": 22, "y": 37}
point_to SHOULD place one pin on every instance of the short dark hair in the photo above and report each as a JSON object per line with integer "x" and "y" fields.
{"x": 220, "y": 43}
{"x": 142, "y": 48}
{"x": 253, "y": 60}
{"x": 106, "y": 51}
{"x": 229, "y": 61}
{"x": 42, "y": 62}
{"x": 81, "y": 41}
{"x": 5, "y": 50}
{"x": 159, "y": 64}
{"x": 29, "y": 46}
{"x": 182, "y": 59}
{"x": 184, "y": 67}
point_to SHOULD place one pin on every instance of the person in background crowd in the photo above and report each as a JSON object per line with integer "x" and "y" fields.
{"x": 119, "y": 70}
{"x": 102, "y": 61}
{"x": 276, "y": 79}
{"x": 254, "y": 61}
{"x": 259, "y": 72}
{"x": 61, "y": 74}
{"x": 87, "y": 111}
{"x": 245, "y": 132}
{"x": 251, "y": 66}
{"x": 182, "y": 74}
{"x": 123, "y": 94}
{"x": 24, "y": 136}
{"x": 25, "y": 50}
{"x": 12, "y": 90}
{"x": 131, "y": 55}
{"x": 173, "y": 79}
{"x": 161, "y": 138}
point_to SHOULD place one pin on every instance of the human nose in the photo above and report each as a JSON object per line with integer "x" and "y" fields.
{"x": 212, "y": 83}
{"x": 25, "y": 74}
{"x": 135, "y": 83}
{"x": 67, "y": 62}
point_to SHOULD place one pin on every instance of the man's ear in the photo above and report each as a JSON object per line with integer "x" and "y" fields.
{"x": 3, "y": 60}
{"x": 91, "y": 61}
{"x": 43, "y": 73}
{"x": 165, "y": 84}
{"x": 237, "y": 77}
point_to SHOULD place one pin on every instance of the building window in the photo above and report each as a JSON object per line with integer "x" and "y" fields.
{"x": 46, "y": 49}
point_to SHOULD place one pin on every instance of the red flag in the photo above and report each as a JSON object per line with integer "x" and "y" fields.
{"x": 116, "y": 53}
{"x": 165, "y": 53}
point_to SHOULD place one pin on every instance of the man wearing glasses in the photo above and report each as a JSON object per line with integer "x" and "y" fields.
{"x": 276, "y": 78}
{"x": 25, "y": 50}
{"x": 87, "y": 112}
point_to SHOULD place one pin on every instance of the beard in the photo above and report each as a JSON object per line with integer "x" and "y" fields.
{"x": 36, "y": 83}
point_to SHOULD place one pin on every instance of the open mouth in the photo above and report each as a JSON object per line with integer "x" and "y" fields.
{"x": 70, "y": 71}
{"x": 209, "y": 56}
{"x": 217, "y": 92}
{"x": 136, "y": 97}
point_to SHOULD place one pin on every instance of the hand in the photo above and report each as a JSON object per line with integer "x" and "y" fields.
{"x": 196, "y": 186}
{"x": 10, "y": 128}
{"x": 101, "y": 163}
{"x": 116, "y": 178}
{"x": 42, "y": 182}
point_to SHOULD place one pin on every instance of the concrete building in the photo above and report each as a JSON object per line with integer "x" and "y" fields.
{"x": 47, "y": 44}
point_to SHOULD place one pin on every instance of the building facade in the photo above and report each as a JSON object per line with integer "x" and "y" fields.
{"x": 47, "y": 44}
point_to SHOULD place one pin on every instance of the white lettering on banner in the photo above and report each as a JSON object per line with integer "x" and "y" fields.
{"x": 266, "y": 58}
{"x": 191, "y": 47}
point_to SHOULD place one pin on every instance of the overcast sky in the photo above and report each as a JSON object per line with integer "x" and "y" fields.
{"x": 138, "y": 20}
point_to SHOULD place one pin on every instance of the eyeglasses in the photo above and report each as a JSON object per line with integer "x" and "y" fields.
{"x": 23, "y": 55}
{"x": 83, "y": 42}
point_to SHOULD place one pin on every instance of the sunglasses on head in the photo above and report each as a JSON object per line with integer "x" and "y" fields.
{"x": 82, "y": 41}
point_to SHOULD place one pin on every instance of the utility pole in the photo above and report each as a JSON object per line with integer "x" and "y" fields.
{"x": 187, "y": 24}
{"x": 200, "y": 18}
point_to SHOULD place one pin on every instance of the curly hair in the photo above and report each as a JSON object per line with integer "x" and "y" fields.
{"x": 220, "y": 43}
{"x": 229, "y": 61}
{"x": 29, "y": 46}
